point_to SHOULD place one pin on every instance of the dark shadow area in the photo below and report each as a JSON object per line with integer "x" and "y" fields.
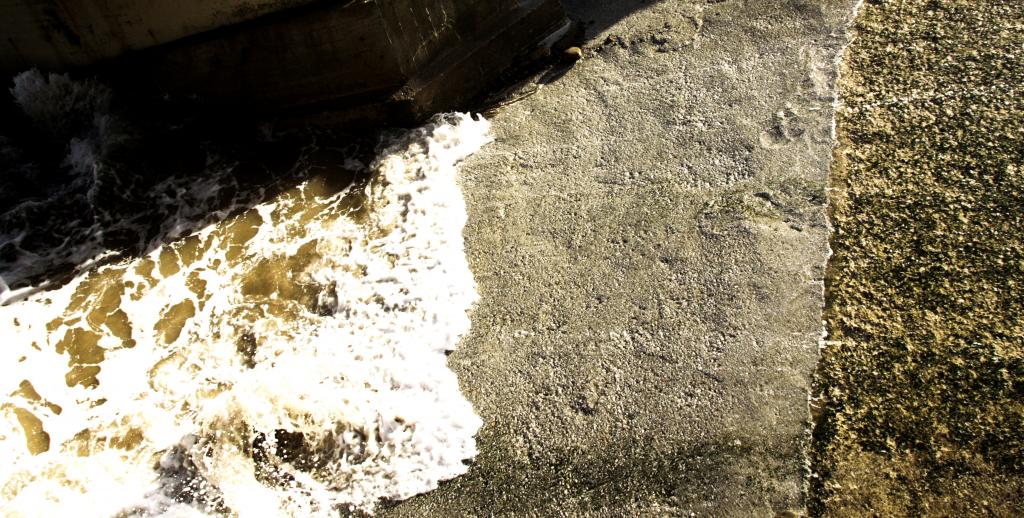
{"x": 94, "y": 174}
{"x": 589, "y": 18}
{"x": 596, "y": 16}
{"x": 629, "y": 474}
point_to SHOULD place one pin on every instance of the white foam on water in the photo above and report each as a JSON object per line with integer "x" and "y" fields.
{"x": 288, "y": 361}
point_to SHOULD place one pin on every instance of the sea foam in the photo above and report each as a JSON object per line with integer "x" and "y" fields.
{"x": 289, "y": 360}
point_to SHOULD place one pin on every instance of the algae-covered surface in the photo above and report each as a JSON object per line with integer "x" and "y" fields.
{"x": 919, "y": 397}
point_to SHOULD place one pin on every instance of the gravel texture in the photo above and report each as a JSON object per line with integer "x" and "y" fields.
{"x": 921, "y": 386}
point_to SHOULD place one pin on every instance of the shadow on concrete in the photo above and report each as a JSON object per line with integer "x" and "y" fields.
{"x": 596, "y": 16}
{"x": 590, "y": 18}
{"x": 634, "y": 474}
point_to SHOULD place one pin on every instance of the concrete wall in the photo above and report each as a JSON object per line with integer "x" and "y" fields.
{"x": 56, "y": 34}
{"x": 420, "y": 29}
{"x": 392, "y": 59}
{"x": 301, "y": 57}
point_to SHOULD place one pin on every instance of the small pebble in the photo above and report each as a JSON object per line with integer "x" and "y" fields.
{"x": 572, "y": 54}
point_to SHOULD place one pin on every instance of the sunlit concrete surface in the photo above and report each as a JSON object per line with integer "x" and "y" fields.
{"x": 649, "y": 237}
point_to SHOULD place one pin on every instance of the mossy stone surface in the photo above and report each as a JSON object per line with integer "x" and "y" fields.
{"x": 920, "y": 391}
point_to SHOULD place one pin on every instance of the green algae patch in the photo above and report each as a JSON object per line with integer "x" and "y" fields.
{"x": 919, "y": 399}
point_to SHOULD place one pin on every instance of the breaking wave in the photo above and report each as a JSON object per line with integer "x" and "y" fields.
{"x": 283, "y": 351}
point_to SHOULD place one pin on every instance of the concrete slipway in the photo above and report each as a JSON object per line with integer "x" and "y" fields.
{"x": 649, "y": 237}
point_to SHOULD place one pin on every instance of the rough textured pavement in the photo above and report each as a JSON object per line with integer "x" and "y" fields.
{"x": 922, "y": 381}
{"x": 649, "y": 237}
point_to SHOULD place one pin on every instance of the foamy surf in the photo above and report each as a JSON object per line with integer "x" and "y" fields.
{"x": 286, "y": 361}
